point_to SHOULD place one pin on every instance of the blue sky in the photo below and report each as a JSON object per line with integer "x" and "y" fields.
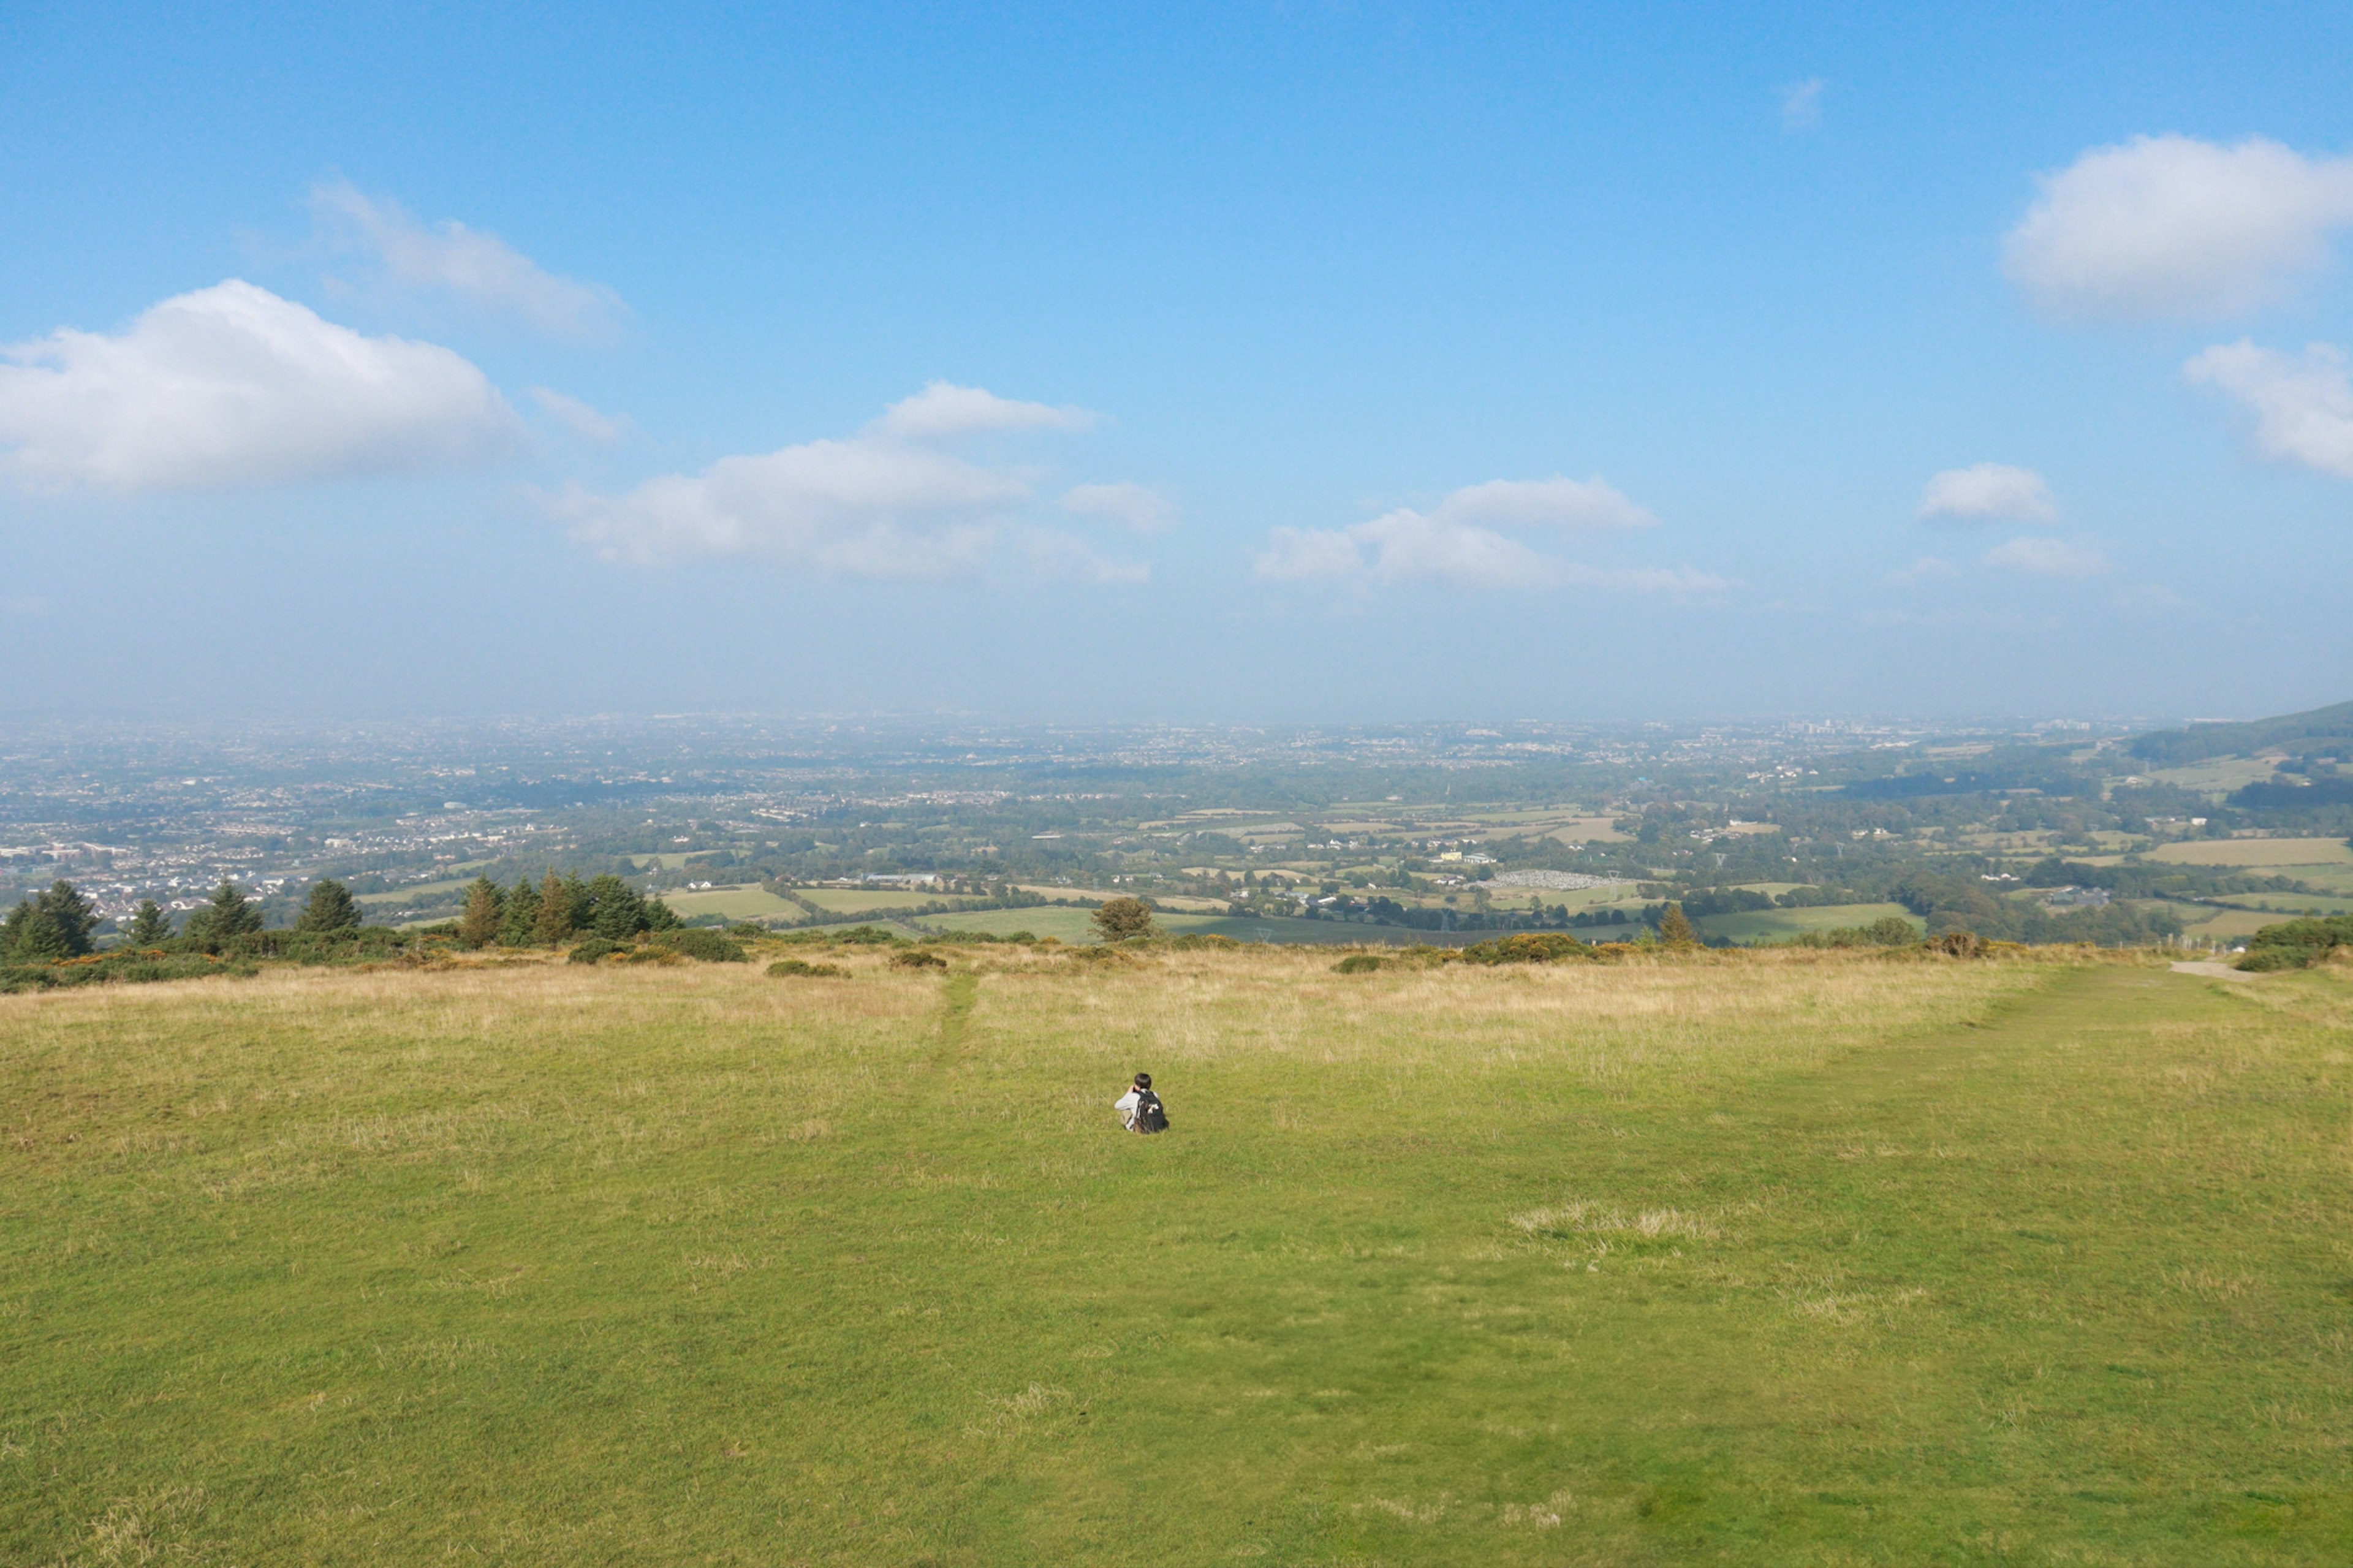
{"x": 1317, "y": 363}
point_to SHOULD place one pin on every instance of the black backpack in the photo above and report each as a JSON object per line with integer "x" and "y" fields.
{"x": 1149, "y": 1115}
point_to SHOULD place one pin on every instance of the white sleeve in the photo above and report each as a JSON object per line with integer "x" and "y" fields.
{"x": 1127, "y": 1101}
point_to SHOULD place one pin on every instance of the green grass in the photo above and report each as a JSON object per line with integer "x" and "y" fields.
{"x": 2285, "y": 856}
{"x": 1075, "y": 926}
{"x": 1758, "y": 1259}
{"x": 745, "y": 901}
{"x": 862, "y": 900}
{"x": 1781, "y": 925}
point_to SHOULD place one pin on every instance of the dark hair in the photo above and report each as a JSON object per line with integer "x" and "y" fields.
{"x": 1144, "y": 1080}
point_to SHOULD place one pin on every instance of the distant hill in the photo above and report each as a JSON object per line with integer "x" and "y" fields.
{"x": 2325, "y": 730}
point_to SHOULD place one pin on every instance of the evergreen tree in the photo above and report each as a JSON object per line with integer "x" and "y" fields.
{"x": 616, "y": 912}
{"x": 150, "y": 926}
{"x": 31, "y": 934}
{"x": 485, "y": 914}
{"x": 226, "y": 917}
{"x": 1675, "y": 930}
{"x": 331, "y": 911}
{"x": 659, "y": 916}
{"x": 553, "y": 925}
{"x": 522, "y": 927}
{"x": 74, "y": 915}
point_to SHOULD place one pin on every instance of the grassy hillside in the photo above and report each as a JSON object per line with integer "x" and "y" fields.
{"x": 2321, "y": 729}
{"x": 1748, "y": 1257}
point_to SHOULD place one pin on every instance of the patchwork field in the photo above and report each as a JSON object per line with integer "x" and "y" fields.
{"x": 1781, "y": 925}
{"x": 862, "y": 900}
{"x": 2253, "y": 852}
{"x": 1769, "y": 1257}
{"x": 745, "y": 901}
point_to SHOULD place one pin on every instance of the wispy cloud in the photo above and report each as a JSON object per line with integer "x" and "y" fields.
{"x": 944, "y": 410}
{"x": 1460, "y": 542}
{"x": 891, "y": 502}
{"x": 232, "y": 386}
{"x": 2041, "y": 557}
{"x": 2170, "y": 226}
{"x": 404, "y": 257}
{"x": 1801, "y": 105}
{"x": 2299, "y": 408}
{"x": 1928, "y": 569}
{"x": 1985, "y": 492}
{"x": 581, "y": 419}
{"x": 1136, "y": 508}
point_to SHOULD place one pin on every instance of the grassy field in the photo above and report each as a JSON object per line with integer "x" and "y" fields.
{"x": 742, "y": 902}
{"x": 1074, "y": 925}
{"x": 860, "y": 901}
{"x": 1773, "y": 1257}
{"x": 1781, "y": 925}
{"x": 2267, "y": 853}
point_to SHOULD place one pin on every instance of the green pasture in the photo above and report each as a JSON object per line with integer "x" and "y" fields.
{"x": 1781, "y": 925}
{"x": 744, "y": 901}
{"x": 2285, "y": 857}
{"x": 1786, "y": 1256}
{"x": 860, "y": 901}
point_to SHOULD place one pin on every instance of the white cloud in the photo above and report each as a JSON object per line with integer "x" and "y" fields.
{"x": 2168, "y": 226}
{"x": 233, "y": 386}
{"x": 1988, "y": 491}
{"x": 1451, "y": 544}
{"x": 887, "y": 502}
{"x": 1801, "y": 105}
{"x": 1136, "y": 508}
{"x": 1549, "y": 503}
{"x": 477, "y": 268}
{"x": 1928, "y": 568}
{"x": 942, "y": 410}
{"x": 2044, "y": 557}
{"x": 2301, "y": 409}
{"x": 581, "y": 419}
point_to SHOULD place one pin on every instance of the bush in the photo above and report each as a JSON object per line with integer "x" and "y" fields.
{"x": 1526, "y": 947}
{"x": 1955, "y": 945}
{"x": 1357, "y": 964}
{"x": 870, "y": 936}
{"x": 652, "y": 952}
{"x": 1120, "y": 919}
{"x": 696, "y": 941}
{"x": 746, "y": 930}
{"x": 917, "y": 958}
{"x": 788, "y": 967}
{"x": 2295, "y": 944}
{"x": 595, "y": 949}
{"x": 129, "y": 965}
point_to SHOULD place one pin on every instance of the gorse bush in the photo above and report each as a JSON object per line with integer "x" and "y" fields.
{"x": 2296, "y": 944}
{"x": 784, "y": 967}
{"x": 594, "y": 950}
{"x": 917, "y": 958}
{"x": 1526, "y": 947}
{"x": 1357, "y": 964}
{"x": 698, "y": 942}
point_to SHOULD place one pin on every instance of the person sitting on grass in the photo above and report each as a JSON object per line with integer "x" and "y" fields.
{"x": 1139, "y": 1109}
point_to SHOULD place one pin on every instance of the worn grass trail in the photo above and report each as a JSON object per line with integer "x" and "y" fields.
{"x": 1815, "y": 1259}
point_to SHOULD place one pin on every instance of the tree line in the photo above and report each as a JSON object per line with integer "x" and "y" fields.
{"x": 62, "y": 921}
